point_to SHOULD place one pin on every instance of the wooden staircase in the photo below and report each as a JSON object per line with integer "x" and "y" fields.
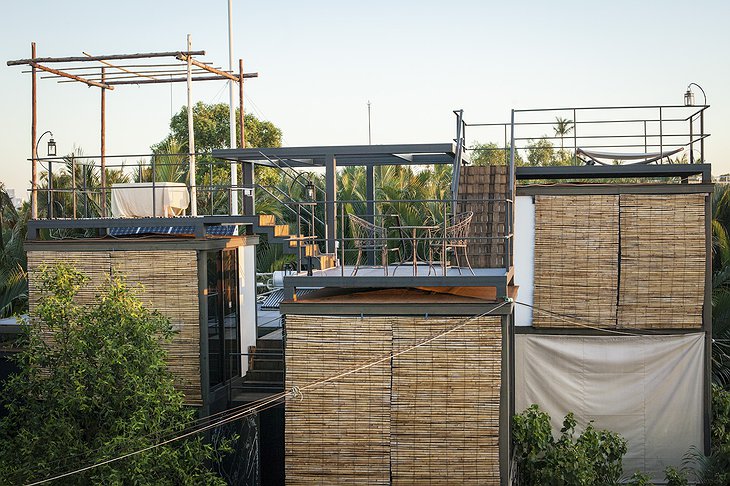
{"x": 265, "y": 375}
{"x": 280, "y": 233}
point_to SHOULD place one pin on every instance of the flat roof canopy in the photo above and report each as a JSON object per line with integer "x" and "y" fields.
{"x": 345, "y": 155}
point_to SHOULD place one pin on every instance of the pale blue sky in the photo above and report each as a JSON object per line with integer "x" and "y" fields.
{"x": 321, "y": 61}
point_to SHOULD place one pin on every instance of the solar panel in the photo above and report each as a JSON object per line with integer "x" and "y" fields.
{"x": 219, "y": 230}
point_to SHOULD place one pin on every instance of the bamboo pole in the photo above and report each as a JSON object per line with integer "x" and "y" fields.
{"x": 34, "y": 152}
{"x": 103, "y": 146}
{"x": 70, "y": 76}
{"x": 111, "y": 57}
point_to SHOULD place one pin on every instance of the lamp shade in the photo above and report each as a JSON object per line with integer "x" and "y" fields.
{"x": 51, "y": 148}
{"x": 689, "y": 98}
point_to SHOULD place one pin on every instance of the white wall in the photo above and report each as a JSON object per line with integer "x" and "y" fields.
{"x": 649, "y": 389}
{"x": 524, "y": 257}
{"x": 247, "y": 300}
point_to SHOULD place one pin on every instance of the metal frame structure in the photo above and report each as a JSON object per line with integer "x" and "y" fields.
{"x": 105, "y": 74}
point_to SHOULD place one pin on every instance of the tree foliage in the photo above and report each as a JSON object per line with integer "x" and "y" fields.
{"x": 97, "y": 389}
{"x": 593, "y": 458}
{"x": 491, "y": 154}
{"x": 211, "y": 124}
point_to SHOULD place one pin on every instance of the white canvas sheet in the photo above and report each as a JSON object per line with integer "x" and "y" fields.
{"x": 646, "y": 388}
{"x": 135, "y": 200}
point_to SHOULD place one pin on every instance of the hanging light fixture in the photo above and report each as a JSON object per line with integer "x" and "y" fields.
{"x": 311, "y": 190}
{"x": 689, "y": 96}
{"x": 51, "y": 147}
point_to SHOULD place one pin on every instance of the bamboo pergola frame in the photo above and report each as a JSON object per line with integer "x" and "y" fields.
{"x": 105, "y": 73}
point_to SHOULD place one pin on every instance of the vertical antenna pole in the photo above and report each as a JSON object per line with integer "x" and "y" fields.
{"x": 232, "y": 115}
{"x": 103, "y": 145}
{"x": 33, "y": 151}
{"x": 370, "y": 134}
{"x": 191, "y": 134}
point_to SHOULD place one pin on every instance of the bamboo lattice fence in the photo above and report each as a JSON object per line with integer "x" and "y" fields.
{"x": 170, "y": 285}
{"x": 629, "y": 261}
{"x": 428, "y": 416}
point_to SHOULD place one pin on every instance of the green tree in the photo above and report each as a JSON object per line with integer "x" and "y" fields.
{"x": 13, "y": 279}
{"x": 541, "y": 152}
{"x": 491, "y": 154}
{"x": 211, "y": 124}
{"x": 98, "y": 389}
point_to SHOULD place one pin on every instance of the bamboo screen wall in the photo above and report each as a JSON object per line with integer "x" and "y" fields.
{"x": 428, "y": 416}
{"x": 170, "y": 283}
{"x": 476, "y": 185}
{"x": 628, "y": 261}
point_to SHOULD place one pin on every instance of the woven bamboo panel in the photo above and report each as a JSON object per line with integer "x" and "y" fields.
{"x": 340, "y": 433}
{"x": 445, "y": 402}
{"x": 170, "y": 285}
{"x": 428, "y": 416}
{"x": 476, "y": 185}
{"x": 662, "y": 261}
{"x": 576, "y": 260}
{"x": 94, "y": 264}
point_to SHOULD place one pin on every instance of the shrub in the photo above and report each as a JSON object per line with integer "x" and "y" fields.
{"x": 594, "y": 458}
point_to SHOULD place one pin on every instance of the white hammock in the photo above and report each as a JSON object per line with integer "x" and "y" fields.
{"x": 643, "y": 158}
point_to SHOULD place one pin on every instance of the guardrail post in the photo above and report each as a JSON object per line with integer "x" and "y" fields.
{"x": 330, "y": 202}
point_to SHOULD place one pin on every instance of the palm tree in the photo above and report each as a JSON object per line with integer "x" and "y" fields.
{"x": 13, "y": 277}
{"x": 721, "y": 285}
{"x": 562, "y": 128}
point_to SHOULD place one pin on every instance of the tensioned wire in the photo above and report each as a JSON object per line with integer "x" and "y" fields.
{"x": 181, "y": 428}
{"x": 295, "y": 392}
{"x": 271, "y": 401}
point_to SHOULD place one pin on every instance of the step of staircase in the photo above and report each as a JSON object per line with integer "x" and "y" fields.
{"x": 267, "y": 363}
{"x": 281, "y": 230}
{"x": 267, "y": 220}
{"x": 261, "y": 376}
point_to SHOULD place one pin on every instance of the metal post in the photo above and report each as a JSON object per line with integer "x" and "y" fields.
{"x": 370, "y": 197}
{"x": 330, "y": 201}
{"x": 249, "y": 203}
{"x": 103, "y": 145}
{"x": 645, "y": 139}
{"x": 49, "y": 193}
{"x": 702, "y": 136}
{"x": 73, "y": 184}
{"x": 34, "y": 152}
{"x": 661, "y": 139}
{"x": 575, "y": 135}
{"x": 510, "y": 192}
{"x": 232, "y": 115}
{"x": 191, "y": 136}
{"x": 691, "y": 140}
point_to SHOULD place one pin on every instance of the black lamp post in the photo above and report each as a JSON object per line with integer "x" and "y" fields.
{"x": 51, "y": 153}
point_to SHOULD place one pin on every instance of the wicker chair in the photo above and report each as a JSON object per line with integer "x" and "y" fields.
{"x": 451, "y": 239}
{"x": 369, "y": 237}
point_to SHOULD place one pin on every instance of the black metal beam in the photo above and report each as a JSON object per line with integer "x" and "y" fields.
{"x": 497, "y": 279}
{"x": 393, "y": 308}
{"x": 339, "y": 151}
{"x": 199, "y": 223}
{"x": 596, "y": 189}
{"x": 612, "y": 171}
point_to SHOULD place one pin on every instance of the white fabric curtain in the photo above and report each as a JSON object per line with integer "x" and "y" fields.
{"x": 649, "y": 389}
